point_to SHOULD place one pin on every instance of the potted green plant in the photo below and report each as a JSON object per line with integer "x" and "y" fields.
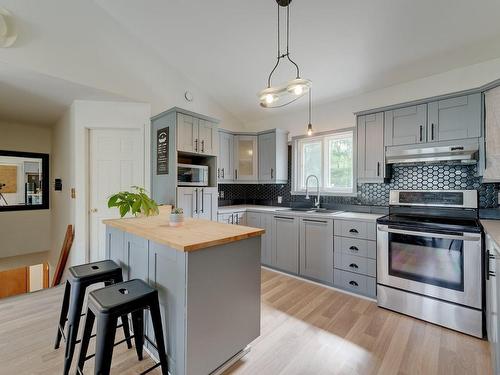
{"x": 177, "y": 217}
{"x": 136, "y": 202}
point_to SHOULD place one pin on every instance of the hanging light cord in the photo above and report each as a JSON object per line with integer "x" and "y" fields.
{"x": 287, "y": 54}
{"x": 310, "y": 106}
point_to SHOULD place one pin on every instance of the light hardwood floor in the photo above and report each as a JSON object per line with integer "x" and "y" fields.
{"x": 306, "y": 329}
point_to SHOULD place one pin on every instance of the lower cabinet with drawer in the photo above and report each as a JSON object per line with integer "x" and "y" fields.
{"x": 355, "y": 252}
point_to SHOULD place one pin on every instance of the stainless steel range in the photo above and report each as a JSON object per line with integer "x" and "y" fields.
{"x": 429, "y": 252}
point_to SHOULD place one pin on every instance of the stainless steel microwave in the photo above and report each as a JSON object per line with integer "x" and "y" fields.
{"x": 192, "y": 175}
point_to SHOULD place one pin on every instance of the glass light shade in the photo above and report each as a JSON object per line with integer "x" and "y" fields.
{"x": 309, "y": 129}
{"x": 279, "y": 96}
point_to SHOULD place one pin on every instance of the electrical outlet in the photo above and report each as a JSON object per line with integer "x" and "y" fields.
{"x": 280, "y": 200}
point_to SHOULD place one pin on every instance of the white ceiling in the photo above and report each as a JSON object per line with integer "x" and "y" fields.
{"x": 346, "y": 47}
{"x": 34, "y": 98}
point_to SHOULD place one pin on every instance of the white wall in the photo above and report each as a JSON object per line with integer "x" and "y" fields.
{"x": 339, "y": 114}
{"x": 24, "y": 232}
{"x": 62, "y": 206}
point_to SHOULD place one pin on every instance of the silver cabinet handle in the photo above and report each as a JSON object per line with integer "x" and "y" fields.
{"x": 378, "y": 168}
{"x": 196, "y": 205}
{"x": 202, "y": 145}
{"x": 421, "y": 132}
{"x": 353, "y": 283}
{"x": 471, "y": 237}
{"x": 222, "y": 172}
{"x": 202, "y": 202}
{"x": 196, "y": 144}
{"x": 235, "y": 174}
{"x": 488, "y": 272}
{"x": 432, "y": 131}
{"x": 284, "y": 218}
{"x": 353, "y": 248}
{"x": 353, "y": 231}
{"x": 314, "y": 221}
{"x": 218, "y": 172}
{"x": 232, "y": 218}
{"x": 353, "y": 266}
{"x": 272, "y": 173}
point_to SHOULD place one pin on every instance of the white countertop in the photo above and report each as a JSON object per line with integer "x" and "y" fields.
{"x": 492, "y": 227}
{"x": 337, "y": 215}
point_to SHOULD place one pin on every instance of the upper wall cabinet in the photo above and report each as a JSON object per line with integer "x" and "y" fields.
{"x": 441, "y": 120}
{"x": 406, "y": 126}
{"x": 246, "y": 158}
{"x": 249, "y": 158}
{"x": 371, "y": 166}
{"x": 225, "y": 159}
{"x": 455, "y": 118}
{"x": 196, "y": 135}
{"x": 273, "y": 156}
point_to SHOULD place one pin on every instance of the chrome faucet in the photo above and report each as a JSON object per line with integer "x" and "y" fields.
{"x": 317, "y": 203}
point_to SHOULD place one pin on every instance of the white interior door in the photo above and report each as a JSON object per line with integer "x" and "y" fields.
{"x": 116, "y": 162}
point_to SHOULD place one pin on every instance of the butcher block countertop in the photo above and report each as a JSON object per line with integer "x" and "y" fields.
{"x": 194, "y": 235}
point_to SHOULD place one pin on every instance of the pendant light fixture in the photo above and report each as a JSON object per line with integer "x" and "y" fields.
{"x": 309, "y": 126}
{"x": 284, "y": 94}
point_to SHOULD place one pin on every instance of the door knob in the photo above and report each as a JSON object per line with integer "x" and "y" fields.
{"x": 93, "y": 210}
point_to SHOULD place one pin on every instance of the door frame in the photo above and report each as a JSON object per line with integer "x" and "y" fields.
{"x": 145, "y": 132}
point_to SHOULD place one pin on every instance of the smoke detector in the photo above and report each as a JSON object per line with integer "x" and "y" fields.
{"x": 8, "y": 34}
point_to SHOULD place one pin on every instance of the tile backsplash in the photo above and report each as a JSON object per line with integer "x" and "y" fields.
{"x": 430, "y": 177}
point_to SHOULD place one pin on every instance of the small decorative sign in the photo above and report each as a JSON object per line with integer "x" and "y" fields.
{"x": 162, "y": 151}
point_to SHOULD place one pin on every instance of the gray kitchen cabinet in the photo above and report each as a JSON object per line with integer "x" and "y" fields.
{"x": 225, "y": 160}
{"x": 273, "y": 156}
{"x": 115, "y": 246}
{"x": 355, "y": 256}
{"x": 186, "y": 199}
{"x": 207, "y": 137}
{"x": 196, "y": 135}
{"x": 406, "y": 126}
{"x": 187, "y": 133}
{"x": 492, "y": 301}
{"x": 370, "y": 148}
{"x": 267, "y": 244}
{"x": 207, "y": 203}
{"x": 454, "y": 118}
{"x": 198, "y": 203}
{"x": 254, "y": 219}
{"x": 225, "y": 218}
{"x": 246, "y": 158}
{"x": 136, "y": 250}
{"x": 286, "y": 243}
{"x": 240, "y": 218}
{"x": 316, "y": 249}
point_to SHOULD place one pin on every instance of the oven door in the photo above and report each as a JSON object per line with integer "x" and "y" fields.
{"x": 444, "y": 266}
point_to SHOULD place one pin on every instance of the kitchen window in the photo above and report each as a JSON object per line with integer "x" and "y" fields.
{"x": 330, "y": 157}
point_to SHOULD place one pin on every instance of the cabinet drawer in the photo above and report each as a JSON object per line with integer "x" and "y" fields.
{"x": 357, "y": 247}
{"x": 355, "y": 283}
{"x": 356, "y": 264}
{"x": 355, "y": 229}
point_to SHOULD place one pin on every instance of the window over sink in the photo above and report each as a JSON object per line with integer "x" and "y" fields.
{"x": 328, "y": 156}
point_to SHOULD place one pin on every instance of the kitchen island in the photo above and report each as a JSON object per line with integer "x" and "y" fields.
{"x": 208, "y": 279}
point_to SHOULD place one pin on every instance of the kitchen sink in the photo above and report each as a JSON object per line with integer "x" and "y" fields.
{"x": 313, "y": 210}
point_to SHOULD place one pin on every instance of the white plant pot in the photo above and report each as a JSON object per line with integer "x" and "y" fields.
{"x": 176, "y": 220}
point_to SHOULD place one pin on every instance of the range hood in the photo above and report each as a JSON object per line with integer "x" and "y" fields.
{"x": 463, "y": 152}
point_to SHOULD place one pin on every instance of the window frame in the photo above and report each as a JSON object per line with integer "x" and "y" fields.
{"x": 324, "y": 137}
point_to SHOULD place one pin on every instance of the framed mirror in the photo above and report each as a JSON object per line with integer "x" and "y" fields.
{"x": 24, "y": 181}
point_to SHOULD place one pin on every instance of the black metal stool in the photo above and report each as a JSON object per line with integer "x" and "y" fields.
{"x": 107, "y": 305}
{"x": 81, "y": 277}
